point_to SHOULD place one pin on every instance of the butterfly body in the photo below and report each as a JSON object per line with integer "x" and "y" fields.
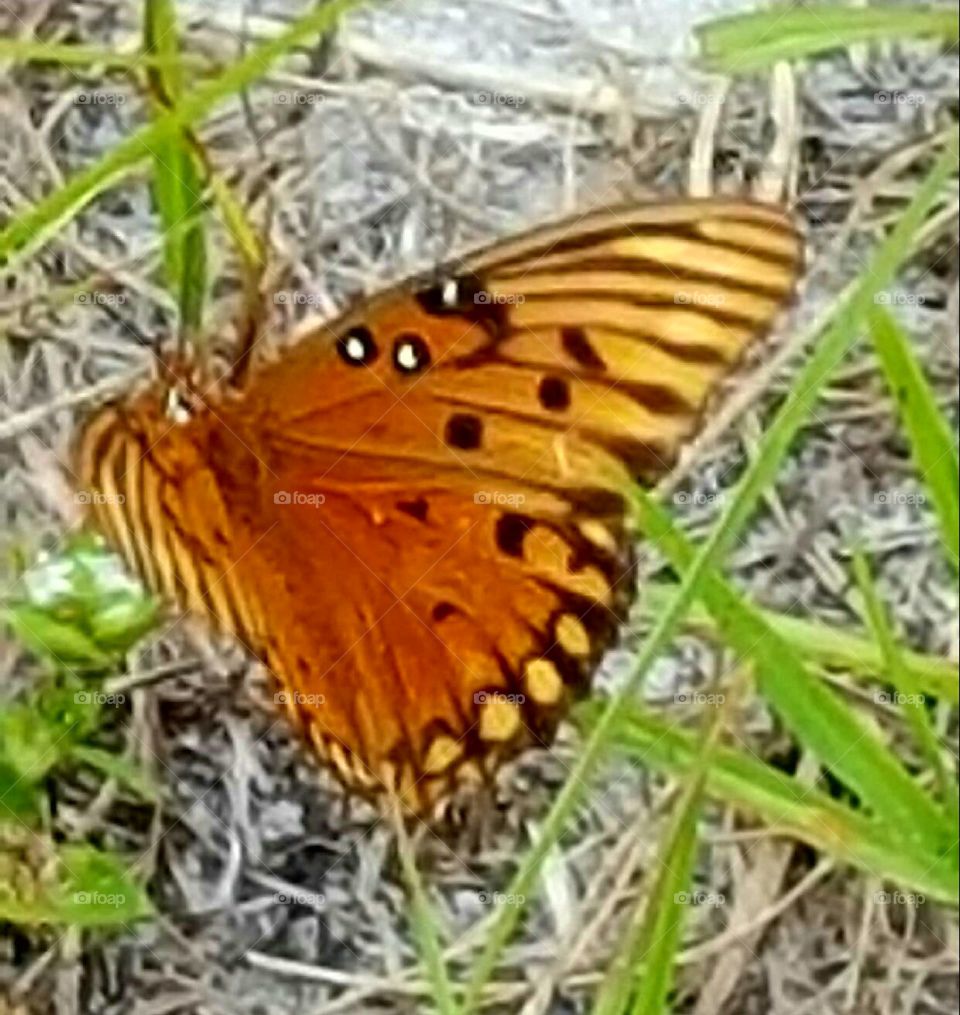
{"x": 415, "y": 515}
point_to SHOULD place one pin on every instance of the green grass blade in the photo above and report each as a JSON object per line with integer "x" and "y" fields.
{"x": 912, "y": 701}
{"x": 833, "y": 345}
{"x": 781, "y": 803}
{"x": 177, "y": 181}
{"x": 817, "y": 716}
{"x": 424, "y": 925}
{"x": 748, "y": 42}
{"x": 45, "y": 218}
{"x": 67, "y": 55}
{"x": 828, "y": 646}
{"x": 644, "y": 966}
{"x": 931, "y": 440}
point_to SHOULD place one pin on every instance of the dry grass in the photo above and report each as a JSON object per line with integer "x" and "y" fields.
{"x": 276, "y": 895}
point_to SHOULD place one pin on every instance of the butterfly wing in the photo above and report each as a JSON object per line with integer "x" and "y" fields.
{"x": 427, "y": 496}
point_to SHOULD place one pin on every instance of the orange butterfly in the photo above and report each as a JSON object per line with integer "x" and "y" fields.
{"x": 415, "y": 516}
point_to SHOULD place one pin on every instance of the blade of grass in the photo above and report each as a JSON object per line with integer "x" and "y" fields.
{"x": 780, "y": 802}
{"x": 817, "y": 716}
{"x": 424, "y": 924}
{"x": 913, "y": 700}
{"x": 832, "y": 346}
{"x": 931, "y": 440}
{"x": 49, "y": 215}
{"x": 644, "y": 966}
{"x": 827, "y": 646}
{"x": 747, "y": 42}
{"x": 67, "y": 55}
{"x": 177, "y": 182}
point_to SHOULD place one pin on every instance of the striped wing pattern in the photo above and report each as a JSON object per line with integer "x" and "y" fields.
{"x": 415, "y": 515}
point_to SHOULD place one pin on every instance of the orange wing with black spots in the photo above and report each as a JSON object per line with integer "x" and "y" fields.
{"x": 415, "y": 515}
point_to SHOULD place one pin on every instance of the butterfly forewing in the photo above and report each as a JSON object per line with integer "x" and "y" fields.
{"x": 415, "y": 514}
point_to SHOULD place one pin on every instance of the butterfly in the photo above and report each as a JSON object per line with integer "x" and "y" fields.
{"x": 415, "y": 515}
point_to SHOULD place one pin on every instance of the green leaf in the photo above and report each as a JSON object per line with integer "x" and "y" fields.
{"x": 911, "y": 699}
{"x": 749, "y": 42}
{"x": 931, "y": 439}
{"x": 178, "y": 186}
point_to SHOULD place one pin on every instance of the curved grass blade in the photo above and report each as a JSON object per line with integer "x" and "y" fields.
{"x": 817, "y": 716}
{"x": 641, "y": 976}
{"x": 781, "y": 803}
{"x": 177, "y": 184}
{"x": 913, "y": 700}
{"x": 828, "y": 646}
{"x": 931, "y": 439}
{"x": 747, "y": 42}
